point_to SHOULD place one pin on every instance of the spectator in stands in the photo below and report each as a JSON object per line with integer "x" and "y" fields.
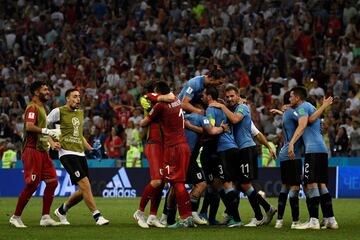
{"x": 355, "y": 139}
{"x": 341, "y": 143}
{"x": 114, "y": 145}
{"x": 9, "y": 156}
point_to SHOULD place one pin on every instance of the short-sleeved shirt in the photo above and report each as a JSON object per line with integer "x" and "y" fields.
{"x": 193, "y": 89}
{"x": 225, "y": 140}
{"x": 171, "y": 118}
{"x": 196, "y": 120}
{"x": 35, "y": 114}
{"x": 242, "y": 129}
{"x": 312, "y": 137}
{"x": 289, "y": 125}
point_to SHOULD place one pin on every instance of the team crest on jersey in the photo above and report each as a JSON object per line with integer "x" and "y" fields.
{"x": 77, "y": 174}
{"x": 189, "y": 90}
{"x": 301, "y": 111}
{"x": 206, "y": 121}
{"x": 31, "y": 115}
{"x": 33, "y": 177}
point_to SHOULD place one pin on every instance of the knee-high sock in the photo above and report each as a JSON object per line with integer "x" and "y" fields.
{"x": 206, "y": 201}
{"x": 253, "y": 199}
{"x": 314, "y": 201}
{"x": 282, "y": 202}
{"x": 266, "y": 206}
{"x": 182, "y": 200}
{"x": 25, "y": 196}
{"x": 326, "y": 203}
{"x": 231, "y": 201}
{"x": 146, "y": 196}
{"x": 48, "y": 196}
{"x": 214, "y": 205}
{"x": 155, "y": 199}
{"x": 294, "y": 204}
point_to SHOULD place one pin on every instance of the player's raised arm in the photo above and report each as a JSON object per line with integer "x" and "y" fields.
{"x": 326, "y": 102}
{"x": 188, "y": 107}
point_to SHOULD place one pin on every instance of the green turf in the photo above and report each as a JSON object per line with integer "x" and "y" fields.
{"x": 122, "y": 226}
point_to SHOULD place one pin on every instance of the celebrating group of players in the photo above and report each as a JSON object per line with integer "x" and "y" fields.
{"x": 178, "y": 127}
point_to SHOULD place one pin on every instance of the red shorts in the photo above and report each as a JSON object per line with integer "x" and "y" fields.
{"x": 176, "y": 162}
{"x": 154, "y": 154}
{"x": 37, "y": 165}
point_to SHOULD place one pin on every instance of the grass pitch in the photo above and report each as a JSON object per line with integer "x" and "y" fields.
{"x": 122, "y": 225}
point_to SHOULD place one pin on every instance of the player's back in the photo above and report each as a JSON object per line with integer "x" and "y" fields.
{"x": 192, "y": 89}
{"x": 172, "y": 123}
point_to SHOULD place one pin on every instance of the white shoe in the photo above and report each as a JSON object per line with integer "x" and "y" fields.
{"x": 330, "y": 224}
{"x": 16, "y": 221}
{"x": 254, "y": 222}
{"x": 154, "y": 221}
{"x": 199, "y": 220}
{"x": 102, "y": 221}
{"x": 62, "y": 218}
{"x": 312, "y": 224}
{"x": 140, "y": 218}
{"x": 279, "y": 223}
{"x": 269, "y": 215}
{"x": 163, "y": 219}
{"x": 47, "y": 221}
{"x": 294, "y": 225}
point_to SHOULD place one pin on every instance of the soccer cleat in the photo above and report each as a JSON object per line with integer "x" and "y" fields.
{"x": 199, "y": 220}
{"x": 233, "y": 223}
{"x": 324, "y": 222}
{"x": 154, "y": 221}
{"x": 188, "y": 222}
{"x": 330, "y": 224}
{"x": 269, "y": 215}
{"x": 279, "y": 223}
{"x": 255, "y": 223}
{"x": 140, "y": 218}
{"x": 163, "y": 219}
{"x": 47, "y": 221}
{"x": 214, "y": 222}
{"x": 227, "y": 218}
{"x": 295, "y": 224}
{"x": 312, "y": 224}
{"x": 16, "y": 221}
{"x": 62, "y": 218}
{"x": 102, "y": 221}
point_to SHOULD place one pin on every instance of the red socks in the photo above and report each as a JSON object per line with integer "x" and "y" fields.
{"x": 48, "y": 196}
{"x": 182, "y": 200}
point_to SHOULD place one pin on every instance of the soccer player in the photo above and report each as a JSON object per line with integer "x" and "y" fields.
{"x": 176, "y": 151}
{"x": 37, "y": 163}
{"x": 154, "y": 153}
{"x": 291, "y": 170}
{"x": 192, "y": 91}
{"x": 240, "y": 117}
{"x": 316, "y": 161}
{"x": 72, "y": 155}
{"x": 228, "y": 153}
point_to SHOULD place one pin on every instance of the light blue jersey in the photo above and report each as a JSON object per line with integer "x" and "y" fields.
{"x": 242, "y": 130}
{"x": 193, "y": 89}
{"x": 289, "y": 125}
{"x": 226, "y": 140}
{"x": 196, "y": 120}
{"x": 312, "y": 137}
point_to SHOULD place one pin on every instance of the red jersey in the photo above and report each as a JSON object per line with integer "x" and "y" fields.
{"x": 171, "y": 118}
{"x": 154, "y": 134}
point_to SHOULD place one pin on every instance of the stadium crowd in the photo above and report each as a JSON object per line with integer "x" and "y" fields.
{"x": 109, "y": 49}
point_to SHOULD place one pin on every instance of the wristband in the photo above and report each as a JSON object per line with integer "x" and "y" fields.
{"x": 45, "y": 131}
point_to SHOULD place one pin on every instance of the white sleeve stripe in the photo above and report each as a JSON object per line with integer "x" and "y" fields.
{"x": 54, "y": 116}
{"x": 254, "y": 130}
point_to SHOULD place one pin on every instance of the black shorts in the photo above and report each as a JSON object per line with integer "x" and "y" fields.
{"x": 76, "y": 166}
{"x": 316, "y": 168}
{"x": 248, "y": 164}
{"x": 211, "y": 165}
{"x": 291, "y": 172}
{"x": 230, "y": 164}
{"x": 194, "y": 173}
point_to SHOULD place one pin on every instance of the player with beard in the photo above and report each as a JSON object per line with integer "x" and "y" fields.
{"x": 239, "y": 116}
{"x": 37, "y": 163}
{"x": 72, "y": 156}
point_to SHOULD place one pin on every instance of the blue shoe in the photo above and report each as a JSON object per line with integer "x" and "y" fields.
{"x": 214, "y": 222}
{"x": 188, "y": 222}
{"x": 233, "y": 223}
{"x": 204, "y": 216}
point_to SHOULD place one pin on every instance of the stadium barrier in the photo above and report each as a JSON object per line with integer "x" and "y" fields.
{"x": 344, "y": 182}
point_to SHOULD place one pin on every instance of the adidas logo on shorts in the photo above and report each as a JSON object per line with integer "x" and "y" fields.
{"x": 119, "y": 186}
